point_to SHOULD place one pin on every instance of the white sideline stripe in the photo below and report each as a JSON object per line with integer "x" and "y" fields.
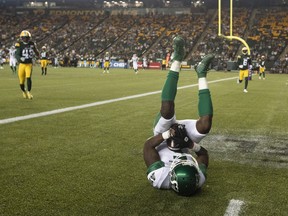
{"x": 52, "y": 112}
{"x": 234, "y": 208}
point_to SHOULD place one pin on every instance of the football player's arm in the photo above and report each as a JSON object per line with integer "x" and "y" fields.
{"x": 150, "y": 154}
{"x": 202, "y": 156}
{"x": 239, "y": 62}
{"x": 36, "y": 51}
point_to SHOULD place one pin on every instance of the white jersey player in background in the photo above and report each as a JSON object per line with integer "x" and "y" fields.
{"x": 135, "y": 63}
{"x": 12, "y": 59}
{"x": 145, "y": 63}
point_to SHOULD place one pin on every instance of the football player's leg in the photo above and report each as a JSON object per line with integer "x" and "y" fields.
{"x": 29, "y": 80}
{"x": 28, "y": 72}
{"x": 21, "y": 75}
{"x": 42, "y": 67}
{"x": 205, "y": 107}
{"x": 246, "y": 79}
{"x": 45, "y": 67}
{"x": 240, "y": 76}
{"x": 12, "y": 68}
{"x": 169, "y": 90}
{"x": 168, "y": 95}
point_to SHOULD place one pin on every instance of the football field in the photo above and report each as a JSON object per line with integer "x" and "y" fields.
{"x": 76, "y": 148}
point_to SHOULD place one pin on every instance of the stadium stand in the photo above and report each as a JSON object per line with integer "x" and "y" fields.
{"x": 265, "y": 29}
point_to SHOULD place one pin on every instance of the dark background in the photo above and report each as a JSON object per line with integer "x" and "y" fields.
{"x": 150, "y": 3}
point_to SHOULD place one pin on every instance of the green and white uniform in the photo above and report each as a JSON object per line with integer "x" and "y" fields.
{"x": 158, "y": 173}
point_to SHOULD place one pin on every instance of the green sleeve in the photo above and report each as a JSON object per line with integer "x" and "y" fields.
{"x": 239, "y": 60}
{"x": 203, "y": 168}
{"x": 17, "y": 53}
{"x": 156, "y": 165}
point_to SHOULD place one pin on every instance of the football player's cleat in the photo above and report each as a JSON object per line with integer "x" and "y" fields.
{"x": 245, "y": 91}
{"x": 203, "y": 66}
{"x": 179, "y": 50}
{"x": 184, "y": 175}
{"x": 25, "y": 95}
{"x": 29, "y": 95}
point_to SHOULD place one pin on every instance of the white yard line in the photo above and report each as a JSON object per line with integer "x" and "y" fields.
{"x": 234, "y": 208}
{"x": 52, "y": 112}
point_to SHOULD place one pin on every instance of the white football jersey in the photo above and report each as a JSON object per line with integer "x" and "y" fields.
{"x": 12, "y": 52}
{"x": 159, "y": 177}
{"x": 135, "y": 62}
{"x": 145, "y": 62}
{"x": 12, "y": 55}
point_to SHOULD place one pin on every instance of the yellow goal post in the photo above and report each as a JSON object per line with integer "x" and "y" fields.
{"x": 231, "y": 36}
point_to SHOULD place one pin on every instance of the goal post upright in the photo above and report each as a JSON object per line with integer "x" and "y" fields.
{"x": 231, "y": 36}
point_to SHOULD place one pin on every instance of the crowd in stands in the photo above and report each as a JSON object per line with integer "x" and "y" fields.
{"x": 190, "y": 28}
{"x": 140, "y": 37}
{"x": 268, "y": 35}
{"x": 225, "y": 49}
{"x": 265, "y": 30}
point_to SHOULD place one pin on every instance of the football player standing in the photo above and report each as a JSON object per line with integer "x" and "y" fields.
{"x": 25, "y": 52}
{"x": 44, "y": 60}
{"x": 244, "y": 62}
{"x": 167, "y": 155}
{"x": 262, "y": 67}
{"x": 12, "y": 59}
{"x": 135, "y": 60}
{"x": 106, "y": 62}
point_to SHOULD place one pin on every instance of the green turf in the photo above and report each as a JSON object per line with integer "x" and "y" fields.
{"x": 89, "y": 161}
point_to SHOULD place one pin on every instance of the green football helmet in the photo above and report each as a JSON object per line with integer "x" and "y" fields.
{"x": 184, "y": 175}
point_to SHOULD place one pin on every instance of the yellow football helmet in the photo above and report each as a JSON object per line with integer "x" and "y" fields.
{"x": 44, "y": 47}
{"x": 244, "y": 50}
{"x": 25, "y": 33}
{"x": 25, "y": 36}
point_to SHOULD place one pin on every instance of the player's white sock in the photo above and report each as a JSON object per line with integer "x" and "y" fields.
{"x": 202, "y": 83}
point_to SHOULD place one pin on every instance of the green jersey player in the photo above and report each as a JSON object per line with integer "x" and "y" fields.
{"x": 26, "y": 50}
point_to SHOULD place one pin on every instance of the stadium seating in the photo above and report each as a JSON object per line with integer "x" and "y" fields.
{"x": 151, "y": 34}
